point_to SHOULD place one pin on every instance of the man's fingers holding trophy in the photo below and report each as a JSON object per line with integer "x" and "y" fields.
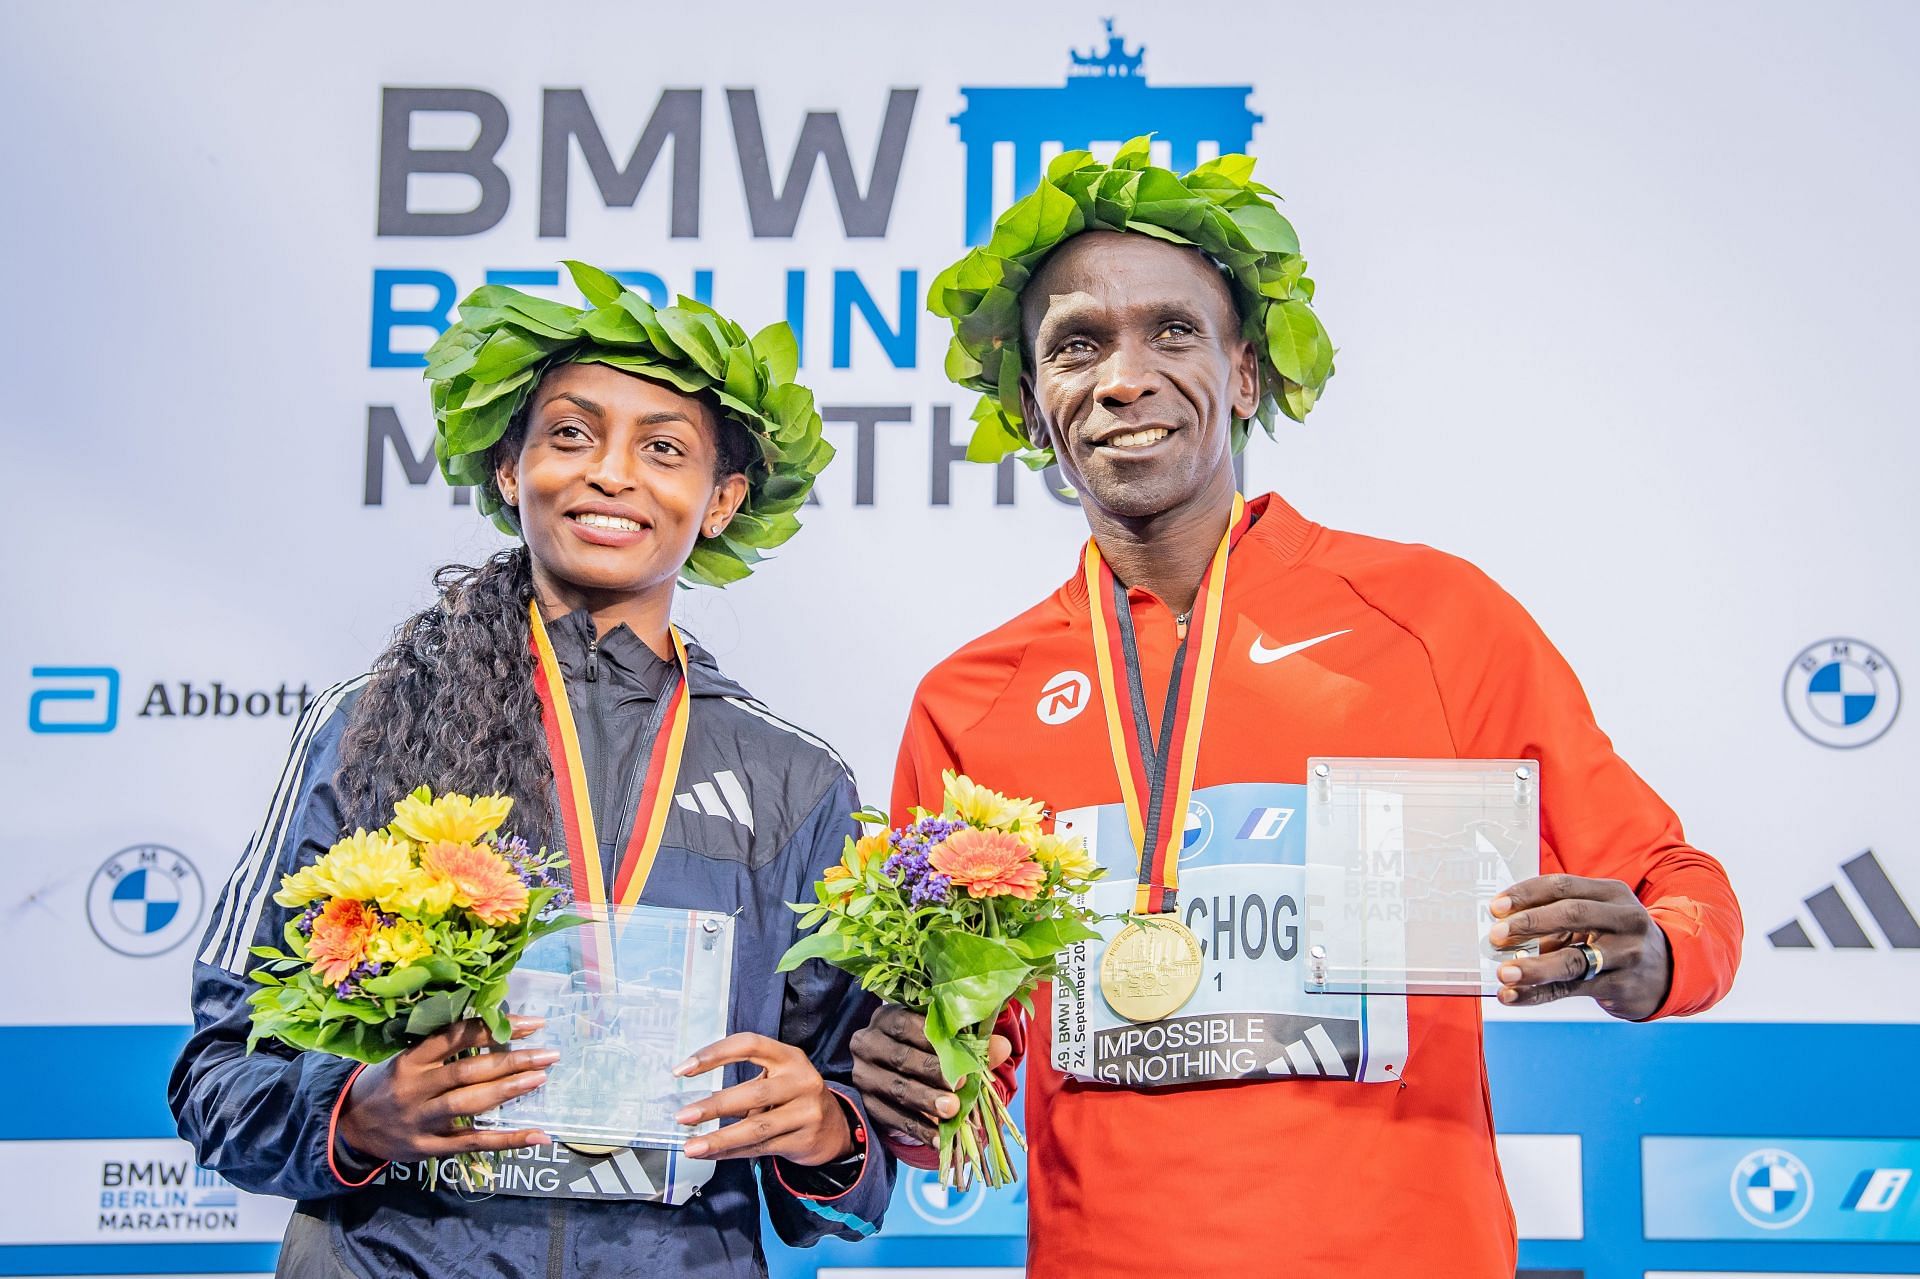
{"x": 1595, "y": 939}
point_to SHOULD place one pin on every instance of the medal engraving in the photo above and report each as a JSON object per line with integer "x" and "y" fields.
{"x": 1150, "y": 969}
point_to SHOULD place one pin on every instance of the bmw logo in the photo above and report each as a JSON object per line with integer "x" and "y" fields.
{"x": 1198, "y": 831}
{"x": 1772, "y": 1189}
{"x": 1842, "y": 693}
{"x": 941, "y": 1205}
{"x": 145, "y": 900}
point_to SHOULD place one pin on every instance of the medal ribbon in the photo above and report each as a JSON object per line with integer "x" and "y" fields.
{"x": 570, "y": 774}
{"x": 1156, "y": 813}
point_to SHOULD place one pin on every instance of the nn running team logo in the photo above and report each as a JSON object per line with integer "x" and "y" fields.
{"x": 1842, "y": 693}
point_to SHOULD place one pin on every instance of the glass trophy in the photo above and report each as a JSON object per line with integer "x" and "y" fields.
{"x": 1404, "y": 859}
{"x": 627, "y": 996}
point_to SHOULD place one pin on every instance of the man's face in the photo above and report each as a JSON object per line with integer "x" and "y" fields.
{"x": 1137, "y": 369}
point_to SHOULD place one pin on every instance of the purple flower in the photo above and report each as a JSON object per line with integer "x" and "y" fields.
{"x": 350, "y": 987}
{"x": 933, "y": 890}
{"x": 305, "y": 922}
{"x": 536, "y": 870}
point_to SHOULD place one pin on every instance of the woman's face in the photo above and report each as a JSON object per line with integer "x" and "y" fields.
{"x": 615, "y": 480}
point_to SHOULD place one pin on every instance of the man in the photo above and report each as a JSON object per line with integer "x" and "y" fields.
{"x": 1151, "y": 319}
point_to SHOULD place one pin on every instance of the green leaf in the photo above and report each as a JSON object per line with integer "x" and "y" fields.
{"x": 973, "y": 976}
{"x": 1043, "y": 939}
{"x": 777, "y": 346}
{"x": 437, "y": 1011}
{"x": 832, "y": 947}
{"x": 1135, "y": 153}
{"x": 398, "y": 983}
{"x": 1266, "y": 229}
{"x": 594, "y": 284}
{"x": 697, "y": 339}
{"x": 1293, "y": 340}
{"x": 1042, "y": 218}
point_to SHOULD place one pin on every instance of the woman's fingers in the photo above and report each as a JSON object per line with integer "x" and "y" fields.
{"x": 446, "y": 1111}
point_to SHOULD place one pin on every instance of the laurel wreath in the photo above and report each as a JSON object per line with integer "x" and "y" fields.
{"x": 486, "y": 365}
{"x": 1217, "y": 208}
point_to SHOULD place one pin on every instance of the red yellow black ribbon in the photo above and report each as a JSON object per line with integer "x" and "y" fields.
{"x": 570, "y": 775}
{"x": 1157, "y": 810}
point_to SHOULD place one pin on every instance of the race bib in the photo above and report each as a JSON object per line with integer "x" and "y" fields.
{"x": 1242, "y": 893}
{"x": 557, "y": 1172}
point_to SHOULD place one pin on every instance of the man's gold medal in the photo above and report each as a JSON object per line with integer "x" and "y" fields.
{"x": 1150, "y": 969}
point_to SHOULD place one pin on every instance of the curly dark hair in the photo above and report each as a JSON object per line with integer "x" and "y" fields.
{"x": 451, "y": 704}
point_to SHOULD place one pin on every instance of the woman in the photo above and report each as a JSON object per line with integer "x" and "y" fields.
{"x": 627, "y": 447}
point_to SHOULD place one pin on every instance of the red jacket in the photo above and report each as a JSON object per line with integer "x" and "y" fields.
{"x": 1425, "y": 657}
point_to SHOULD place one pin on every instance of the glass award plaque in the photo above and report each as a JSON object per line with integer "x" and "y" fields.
{"x": 1404, "y": 859}
{"x": 627, "y": 996}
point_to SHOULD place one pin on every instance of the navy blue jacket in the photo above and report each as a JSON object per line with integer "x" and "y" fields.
{"x": 761, "y": 810}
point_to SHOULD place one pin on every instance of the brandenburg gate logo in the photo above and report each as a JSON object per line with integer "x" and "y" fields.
{"x": 1106, "y": 98}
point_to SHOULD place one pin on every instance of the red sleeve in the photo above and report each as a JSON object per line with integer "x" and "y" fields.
{"x": 924, "y": 754}
{"x": 1508, "y": 693}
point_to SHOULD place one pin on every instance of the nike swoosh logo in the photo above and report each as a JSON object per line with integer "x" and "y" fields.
{"x": 1261, "y": 654}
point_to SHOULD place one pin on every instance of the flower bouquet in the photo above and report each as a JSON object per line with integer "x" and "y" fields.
{"x": 954, "y": 915}
{"x": 406, "y": 930}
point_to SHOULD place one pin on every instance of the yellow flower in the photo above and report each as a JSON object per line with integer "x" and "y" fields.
{"x": 400, "y": 943}
{"x": 450, "y": 819}
{"x": 301, "y": 887}
{"x": 975, "y": 805}
{"x": 423, "y": 896}
{"x": 362, "y": 867}
{"x": 1067, "y": 853}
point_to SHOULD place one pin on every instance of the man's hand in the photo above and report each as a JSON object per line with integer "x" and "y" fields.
{"x": 899, "y": 1077}
{"x": 787, "y": 1111}
{"x": 414, "y": 1105}
{"x": 1636, "y": 967}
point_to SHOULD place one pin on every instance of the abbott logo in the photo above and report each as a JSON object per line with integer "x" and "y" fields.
{"x": 1064, "y": 697}
{"x": 74, "y": 699}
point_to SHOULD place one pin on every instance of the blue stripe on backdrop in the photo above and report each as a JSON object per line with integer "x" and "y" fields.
{"x": 1611, "y": 1084}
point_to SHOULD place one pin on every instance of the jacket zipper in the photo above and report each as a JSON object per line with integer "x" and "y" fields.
{"x": 593, "y": 660}
{"x": 630, "y": 797}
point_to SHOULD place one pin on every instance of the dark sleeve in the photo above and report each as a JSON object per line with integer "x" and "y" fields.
{"x": 822, "y": 1008}
{"x": 264, "y": 1120}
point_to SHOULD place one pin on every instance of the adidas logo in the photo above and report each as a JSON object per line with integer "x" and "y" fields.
{"x": 1314, "y": 1053}
{"x": 1839, "y": 921}
{"x": 723, "y": 797}
{"x": 621, "y": 1175}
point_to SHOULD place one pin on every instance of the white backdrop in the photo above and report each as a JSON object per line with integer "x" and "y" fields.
{"x": 1622, "y": 297}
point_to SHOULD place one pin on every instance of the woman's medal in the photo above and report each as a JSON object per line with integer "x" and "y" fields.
{"x": 1152, "y": 966}
{"x": 590, "y": 886}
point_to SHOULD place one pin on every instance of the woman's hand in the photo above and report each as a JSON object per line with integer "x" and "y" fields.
{"x": 787, "y": 1111}
{"x": 412, "y": 1106}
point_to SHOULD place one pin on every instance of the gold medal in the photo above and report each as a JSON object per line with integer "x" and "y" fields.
{"x": 595, "y": 1152}
{"x": 1150, "y": 969}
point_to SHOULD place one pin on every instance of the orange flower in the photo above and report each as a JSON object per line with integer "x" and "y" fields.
{"x": 339, "y": 941}
{"x": 989, "y": 863}
{"x": 836, "y": 871}
{"x": 481, "y": 881}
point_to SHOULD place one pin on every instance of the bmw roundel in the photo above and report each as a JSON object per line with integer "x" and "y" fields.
{"x": 145, "y": 900}
{"x": 1842, "y": 693}
{"x": 1772, "y": 1189}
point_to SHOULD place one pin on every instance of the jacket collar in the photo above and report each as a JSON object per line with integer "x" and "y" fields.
{"x": 625, "y": 658}
{"x": 1277, "y": 531}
